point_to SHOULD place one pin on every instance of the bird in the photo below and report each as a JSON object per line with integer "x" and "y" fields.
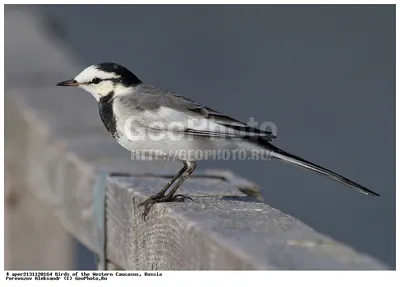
{"x": 155, "y": 123}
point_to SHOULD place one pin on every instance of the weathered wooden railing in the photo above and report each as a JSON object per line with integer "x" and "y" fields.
{"x": 57, "y": 149}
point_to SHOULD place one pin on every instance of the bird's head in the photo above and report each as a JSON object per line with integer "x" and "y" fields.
{"x": 103, "y": 79}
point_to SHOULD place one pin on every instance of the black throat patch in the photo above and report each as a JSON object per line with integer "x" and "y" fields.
{"x": 107, "y": 115}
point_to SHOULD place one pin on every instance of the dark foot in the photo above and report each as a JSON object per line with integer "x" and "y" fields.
{"x": 180, "y": 197}
{"x": 148, "y": 203}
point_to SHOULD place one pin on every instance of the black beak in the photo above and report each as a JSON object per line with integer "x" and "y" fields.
{"x": 68, "y": 83}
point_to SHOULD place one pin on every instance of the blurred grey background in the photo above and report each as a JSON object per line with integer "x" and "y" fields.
{"x": 324, "y": 75}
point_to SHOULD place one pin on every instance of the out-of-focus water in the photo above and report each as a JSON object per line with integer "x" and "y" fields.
{"x": 324, "y": 75}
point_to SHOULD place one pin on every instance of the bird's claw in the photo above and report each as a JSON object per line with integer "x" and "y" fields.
{"x": 181, "y": 197}
{"x": 148, "y": 203}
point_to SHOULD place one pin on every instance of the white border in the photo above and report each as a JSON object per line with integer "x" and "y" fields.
{"x": 225, "y": 278}
{"x": 2, "y": 141}
{"x": 205, "y": 2}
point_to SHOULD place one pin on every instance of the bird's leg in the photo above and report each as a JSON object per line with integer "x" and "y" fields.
{"x": 183, "y": 174}
{"x": 161, "y": 193}
{"x": 191, "y": 166}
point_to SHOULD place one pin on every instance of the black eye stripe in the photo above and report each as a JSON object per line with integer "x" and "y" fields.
{"x": 98, "y": 80}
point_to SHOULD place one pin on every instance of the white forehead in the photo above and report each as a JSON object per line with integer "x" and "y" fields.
{"x": 92, "y": 72}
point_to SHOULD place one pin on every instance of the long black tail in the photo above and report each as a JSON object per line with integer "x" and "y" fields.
{"x": 290, "y": 158}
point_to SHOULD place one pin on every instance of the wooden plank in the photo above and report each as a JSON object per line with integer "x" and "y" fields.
{"x": 26, "y": 219}
{"x": 216, "y": 231}
{"x": 64, "y": 147}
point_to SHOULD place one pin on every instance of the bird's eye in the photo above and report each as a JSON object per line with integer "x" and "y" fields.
{"x": 96, "y": 81}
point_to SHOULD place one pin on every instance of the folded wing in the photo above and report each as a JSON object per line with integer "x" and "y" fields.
{"x": 167, "y": 111}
